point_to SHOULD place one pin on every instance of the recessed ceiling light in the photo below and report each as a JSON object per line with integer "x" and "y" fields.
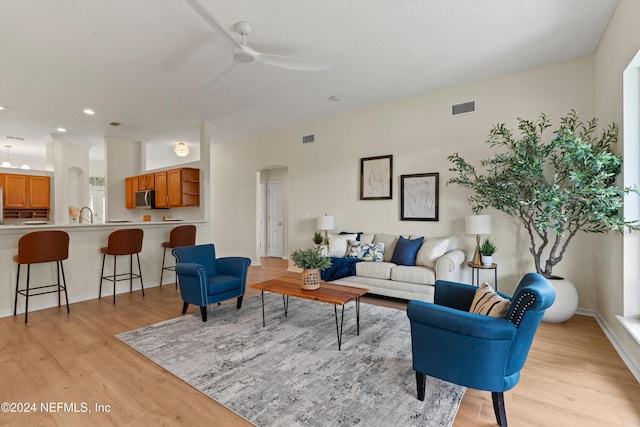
{"x": 61, "y": 129}
{"x": 1, "y": 107}
{"x": 89, "y": 112}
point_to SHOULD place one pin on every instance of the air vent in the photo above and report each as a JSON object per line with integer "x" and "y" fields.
{"x": 308, "y": 138}
{"x": 465, "y": 107}
{"x": 15, "y": 138}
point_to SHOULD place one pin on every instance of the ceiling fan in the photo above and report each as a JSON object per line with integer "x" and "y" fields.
{"x": 243, "y": 53}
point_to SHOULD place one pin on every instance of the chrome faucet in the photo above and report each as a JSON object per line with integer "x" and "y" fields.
{"x": 90, "y": 213}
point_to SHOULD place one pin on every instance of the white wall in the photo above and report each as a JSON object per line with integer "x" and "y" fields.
{"x": 420, "y": 133}
{"x": 70, "y": 162}
{"x": 619, "y": 45}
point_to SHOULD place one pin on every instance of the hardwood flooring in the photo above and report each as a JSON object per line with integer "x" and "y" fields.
{"x": 573, "y": 376}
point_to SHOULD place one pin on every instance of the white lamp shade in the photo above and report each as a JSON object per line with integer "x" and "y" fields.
{"x": 326, "y": 222}
{"x": 478, "y": 224}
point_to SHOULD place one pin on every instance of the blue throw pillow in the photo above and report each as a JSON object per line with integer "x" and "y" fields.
{"x": 406, "y": 251}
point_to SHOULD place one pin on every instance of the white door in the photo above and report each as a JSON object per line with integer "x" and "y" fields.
{"x": 275, "y": 218}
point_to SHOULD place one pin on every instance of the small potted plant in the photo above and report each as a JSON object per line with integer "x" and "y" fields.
{"x": 487, "y": 249}
{"x": 311, "y": 261}
{"x": 317, "y": 238}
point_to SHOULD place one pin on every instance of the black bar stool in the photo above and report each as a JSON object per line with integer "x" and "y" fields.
{"x": 37, "y": 247}
{"x": 184, "y": 235}
{"x": 123, "y": 242}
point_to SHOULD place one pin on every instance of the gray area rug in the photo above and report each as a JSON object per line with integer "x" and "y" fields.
{"x": 290, "y": 373}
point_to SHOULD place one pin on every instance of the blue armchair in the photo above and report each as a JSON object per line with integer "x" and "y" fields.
{"x": 474, "y": 350}
{"x": 206, "y": 280}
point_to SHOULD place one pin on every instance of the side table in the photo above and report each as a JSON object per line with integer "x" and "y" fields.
{"x": 475, "y": 273}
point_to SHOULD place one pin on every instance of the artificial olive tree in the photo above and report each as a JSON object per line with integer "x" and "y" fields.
{"x": 554, "y": 188}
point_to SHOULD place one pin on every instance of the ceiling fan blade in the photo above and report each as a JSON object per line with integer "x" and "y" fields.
{"x": 213, "y": 22}
{"x": 291, "y": 63}
{"x": 223, "y": 72}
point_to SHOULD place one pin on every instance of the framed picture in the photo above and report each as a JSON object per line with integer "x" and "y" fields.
{"x": 419, "y": 197}
{"x": 375, "y": 177}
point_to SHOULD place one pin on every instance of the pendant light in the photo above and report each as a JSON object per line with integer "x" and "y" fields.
{"x": 181, "y": 149}
{"x": 7, "y": 163}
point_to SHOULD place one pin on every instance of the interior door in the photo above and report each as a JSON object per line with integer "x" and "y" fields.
{"x": 275, "y": 218}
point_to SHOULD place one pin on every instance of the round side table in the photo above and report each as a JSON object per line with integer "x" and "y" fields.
{"x": 475, "y": 273}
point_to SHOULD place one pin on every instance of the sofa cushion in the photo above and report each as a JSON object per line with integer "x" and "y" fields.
{"x": 413, "y": 274}
{"x": 389, "y": 241}
{"x": 367, "y": 238}
{"x": 338, "y": 244}
{"x": 373, "y": 252}
{"x": 431, "y": 250}
{"x": 487, "y": 301}
{"x": 376, "y": 270}
{"x": 406, "y": 250}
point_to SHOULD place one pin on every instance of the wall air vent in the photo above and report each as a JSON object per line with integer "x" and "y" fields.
{"x": 308, "y": 138}
{"x": 465, "y": 107}
{"x": 15, "y": 138}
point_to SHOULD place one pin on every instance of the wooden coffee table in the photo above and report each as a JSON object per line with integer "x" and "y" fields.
{"x": 328, "y": 293}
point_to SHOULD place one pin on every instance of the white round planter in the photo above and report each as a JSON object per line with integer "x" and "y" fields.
{"x": 486, "y": 259}
{"x": 566, "y": 302}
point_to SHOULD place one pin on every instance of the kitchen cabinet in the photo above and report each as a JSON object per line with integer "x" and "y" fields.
{"x": 130, "y": 193}
{"x": 26, "y": 196}
{"x": 175, "y": 188}
{"x": 146, "y": 181}
{"x": 190, "y": 187}
{"x": 162, "y": 200}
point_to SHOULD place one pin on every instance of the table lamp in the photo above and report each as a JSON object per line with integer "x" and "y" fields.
{"x": 478, "y": 224}
{"x": 326, "y": 223}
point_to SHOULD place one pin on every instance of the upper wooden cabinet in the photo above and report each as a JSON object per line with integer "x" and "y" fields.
{"x": 190, "y": 186}
{"x": 174, "y": 188}
{"x": 26, "y": 196}
{"x": 162, "y": 191}
{"x": 131, "y": 188}
{"x": 146, "y": 181}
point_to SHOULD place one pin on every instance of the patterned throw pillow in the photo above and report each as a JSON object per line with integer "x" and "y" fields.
{"x": 373, "y": 252}
{"x": 487, "y": 301}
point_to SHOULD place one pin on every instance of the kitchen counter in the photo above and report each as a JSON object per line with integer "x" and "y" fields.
{"x": 43, "y": 225}
{"x": 82, "y": 269}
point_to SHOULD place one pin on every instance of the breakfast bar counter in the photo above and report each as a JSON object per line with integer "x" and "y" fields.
{"x": 82, "y": 268}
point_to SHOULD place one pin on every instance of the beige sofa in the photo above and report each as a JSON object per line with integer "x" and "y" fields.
{"x": 437, "y": 259}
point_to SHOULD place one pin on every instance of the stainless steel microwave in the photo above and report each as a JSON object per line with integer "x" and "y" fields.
{"x": 146, "y": 199}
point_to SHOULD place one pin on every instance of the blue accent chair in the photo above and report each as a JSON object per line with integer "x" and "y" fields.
{"x": 205, "y": 279}
{"x": 474, "y": 350}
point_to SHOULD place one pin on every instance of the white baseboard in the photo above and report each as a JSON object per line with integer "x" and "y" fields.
{"x": 631, "y": 364}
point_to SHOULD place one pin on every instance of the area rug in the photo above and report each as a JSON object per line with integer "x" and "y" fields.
{"x": 291, "y": 373}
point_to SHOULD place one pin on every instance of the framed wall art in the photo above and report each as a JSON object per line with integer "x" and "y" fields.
{"x": 375, "y": 177}
{"x": 419, "y": 197}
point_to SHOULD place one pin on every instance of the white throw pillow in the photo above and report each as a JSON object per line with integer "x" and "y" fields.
{"x": 431, "y": 250}
{"x": 338, "y": 244}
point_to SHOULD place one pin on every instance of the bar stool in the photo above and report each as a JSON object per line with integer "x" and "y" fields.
{"x": 184, "y": 235}
{"x": 37, "y": 247}
{"x": 122, "y": 242}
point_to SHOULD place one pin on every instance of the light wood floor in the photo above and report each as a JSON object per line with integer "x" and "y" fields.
{"x": 573, "y": 376}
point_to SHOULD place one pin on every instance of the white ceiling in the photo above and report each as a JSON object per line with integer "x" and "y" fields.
{"x": 146, "y": 63}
